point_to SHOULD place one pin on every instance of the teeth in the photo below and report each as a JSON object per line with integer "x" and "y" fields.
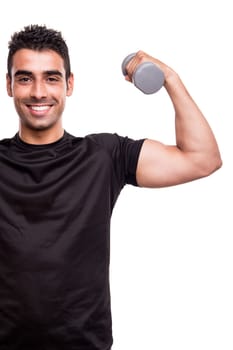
{"x": 39, "y": 108}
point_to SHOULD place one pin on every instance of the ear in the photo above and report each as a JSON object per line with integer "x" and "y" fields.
{"x": 8, "y": 85}
{"x": 70, "y": 85}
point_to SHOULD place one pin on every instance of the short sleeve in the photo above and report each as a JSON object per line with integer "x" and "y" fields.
{"x": 124, "y": 152}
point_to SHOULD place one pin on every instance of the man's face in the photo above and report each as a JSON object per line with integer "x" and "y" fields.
{"x": 39, "y": 88}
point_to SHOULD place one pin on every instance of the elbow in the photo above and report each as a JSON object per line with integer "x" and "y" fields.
{"x": 211, "y": 164}
{"x": 217, "y": 161}
{"x": 216, "y": 166}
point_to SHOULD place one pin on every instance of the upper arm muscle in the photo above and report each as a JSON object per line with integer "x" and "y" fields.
{"x": 160, "y": 165}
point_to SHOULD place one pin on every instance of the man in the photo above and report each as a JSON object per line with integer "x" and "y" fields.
{"x": 58, "y": 192}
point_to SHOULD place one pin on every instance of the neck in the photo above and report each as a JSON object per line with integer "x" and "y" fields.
{"x": 40, "y": 137}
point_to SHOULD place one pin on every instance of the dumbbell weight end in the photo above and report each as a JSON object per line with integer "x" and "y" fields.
{"x": 148, "y": 77}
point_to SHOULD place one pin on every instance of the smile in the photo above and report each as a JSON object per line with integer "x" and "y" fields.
{"x": 39, "y": 108}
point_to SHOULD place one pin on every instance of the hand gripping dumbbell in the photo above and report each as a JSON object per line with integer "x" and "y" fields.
{"x": 147, "y": 77}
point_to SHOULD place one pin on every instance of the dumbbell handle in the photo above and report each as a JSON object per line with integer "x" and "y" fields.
{"x": 147, "y": 77}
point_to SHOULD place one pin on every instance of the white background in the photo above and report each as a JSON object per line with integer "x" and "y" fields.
{"x": 171, "y": 249}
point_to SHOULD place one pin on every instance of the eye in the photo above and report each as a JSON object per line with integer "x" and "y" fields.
{"x": 24, "y": 79}
{"x": 53, "y": 79}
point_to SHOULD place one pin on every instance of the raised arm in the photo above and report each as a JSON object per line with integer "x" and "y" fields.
{"x": 196, "y": 152}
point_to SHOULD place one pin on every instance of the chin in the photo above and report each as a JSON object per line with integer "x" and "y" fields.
{"x": 40, "y": 127}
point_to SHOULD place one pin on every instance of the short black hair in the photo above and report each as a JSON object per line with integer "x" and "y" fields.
{"x": 38, "y": 37}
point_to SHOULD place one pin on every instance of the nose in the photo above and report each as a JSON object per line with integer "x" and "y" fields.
{"x": 38, "y": 90}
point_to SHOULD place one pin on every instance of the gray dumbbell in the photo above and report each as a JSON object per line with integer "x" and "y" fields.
{"x": 147, "y": 77}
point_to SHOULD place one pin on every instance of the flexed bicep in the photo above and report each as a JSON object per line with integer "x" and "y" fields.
{"x": 161, "y": 165}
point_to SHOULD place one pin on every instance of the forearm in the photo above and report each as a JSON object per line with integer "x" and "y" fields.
{"x": 193, "y": 133}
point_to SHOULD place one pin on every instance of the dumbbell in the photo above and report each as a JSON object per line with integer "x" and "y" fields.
{"x": 147, "y": 77}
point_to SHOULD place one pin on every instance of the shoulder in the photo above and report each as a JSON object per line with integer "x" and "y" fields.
{"x": 6, "y": 142}
{"x": 97, "y": 140}
{"x": 112, "y": 140}
{"x": 112, "y": 143}
{"x": 104, "y": 139}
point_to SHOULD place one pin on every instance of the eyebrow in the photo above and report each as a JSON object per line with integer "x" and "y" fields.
{"x": 22, "y": 72}
{"x": 29, "y": 73}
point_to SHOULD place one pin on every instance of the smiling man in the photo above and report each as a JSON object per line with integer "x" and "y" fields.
{"x": 58, "y": 191}
{"x": 37, "y": 82}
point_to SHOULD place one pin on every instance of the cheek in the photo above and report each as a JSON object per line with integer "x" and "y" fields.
{"x": 16, "y": 92}
{"x": 20, "y": 93}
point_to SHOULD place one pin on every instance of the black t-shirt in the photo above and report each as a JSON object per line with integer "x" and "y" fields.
{"x": 56, "y": 202}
